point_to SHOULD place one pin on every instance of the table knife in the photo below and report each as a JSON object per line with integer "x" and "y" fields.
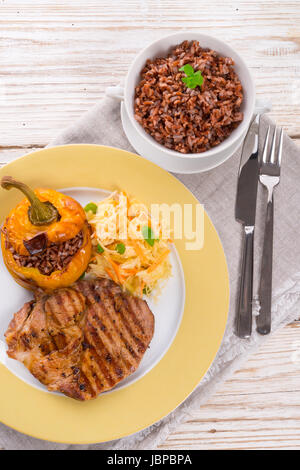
{"x": 245, "y": 209}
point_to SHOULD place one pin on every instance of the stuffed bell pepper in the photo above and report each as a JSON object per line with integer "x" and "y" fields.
{"x": 45, "y": 239}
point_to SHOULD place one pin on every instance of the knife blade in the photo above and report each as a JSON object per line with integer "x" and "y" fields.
{"x": 248, "y": 177}
{"x": 245, "y": 209}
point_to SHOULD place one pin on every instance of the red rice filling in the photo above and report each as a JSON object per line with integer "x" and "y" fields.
{"x": 55, "y": 257}
{"x": 183, "y": 119}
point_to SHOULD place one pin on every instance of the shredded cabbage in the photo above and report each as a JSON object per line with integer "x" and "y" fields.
{"x": 118, "y": 224}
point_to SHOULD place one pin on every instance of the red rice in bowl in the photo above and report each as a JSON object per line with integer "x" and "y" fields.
{"x": 183, "y": 119}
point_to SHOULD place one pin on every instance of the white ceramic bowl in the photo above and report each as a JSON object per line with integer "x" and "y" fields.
{"x": 146, "y": 145}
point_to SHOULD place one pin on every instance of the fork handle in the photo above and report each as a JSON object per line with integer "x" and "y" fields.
{"x": 263, "y": 320}
{"x": 244, "y": 308}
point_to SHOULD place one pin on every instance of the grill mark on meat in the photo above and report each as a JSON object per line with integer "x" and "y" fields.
{"x": 26, "y": 341}
{"x": 72, "y": 389}
{"x": 112, "y": 348}
{"x": 91, "y": 335}
{"x": 113, "y": 333}
{"x": 44, "y": 339}
{"x": 121, "y": 327}
{"x": 88, "y": 367}
{"x": 133, "y": 304}
{"x": 96, "y": 372}
{"x": 64, "y": 301}
{"x": 84, "y": 384}
{"x": 65, "y": 306}
{"x": 31, "y": 305}
{"x": 106, "y": 358}
{"x": 90, "y": 289}
{"x": 126, "y": 315}
{"x": 93, "y": 339}
{"x": 134, "y": 316}
{"x": 108, "y": 302}
{"x": 16, "y": 325}
{"x": 137, "y": 339}
{"x": 115, "y": 323}
{"x": 82, "y": 340}
{"x": 123, "y": 307}
{"x": 120, "y": 300}
{"x": 47, "y": 347}
{"x": 59, "y": 340}
{"x": 78, "y": 300}
{"x": 101, "y": 370}
{"x": 50, "y": 345}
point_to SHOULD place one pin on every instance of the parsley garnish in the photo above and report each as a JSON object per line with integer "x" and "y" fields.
{"x": 192, "y": 78}
{"x": 146, "y": 290}
{"x": 99, "y": 248}
{"x": 148, "y": 235}
{"x": 91, "y": 207}
{"x": 121, "y": 248}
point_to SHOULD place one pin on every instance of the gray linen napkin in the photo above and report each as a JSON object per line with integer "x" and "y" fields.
{"x": 216, "y": 190}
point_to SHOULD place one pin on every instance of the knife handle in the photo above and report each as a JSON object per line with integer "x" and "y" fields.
{"x": 244, "y": 308}
{"x": 263, "y": 321}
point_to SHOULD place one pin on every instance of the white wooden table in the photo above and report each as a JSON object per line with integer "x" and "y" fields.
{"x": 58, "y": 56}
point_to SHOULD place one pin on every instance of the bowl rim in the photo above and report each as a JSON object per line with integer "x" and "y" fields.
{"x": 227, "y": 142}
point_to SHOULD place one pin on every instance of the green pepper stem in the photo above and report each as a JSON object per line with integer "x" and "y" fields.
{"x": 39, "y": 213}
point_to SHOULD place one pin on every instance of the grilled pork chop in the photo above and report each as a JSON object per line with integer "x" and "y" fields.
{"x": 82, "y": 340}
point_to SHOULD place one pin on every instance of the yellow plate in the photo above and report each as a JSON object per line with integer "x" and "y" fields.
{"x": 126, "y": 411}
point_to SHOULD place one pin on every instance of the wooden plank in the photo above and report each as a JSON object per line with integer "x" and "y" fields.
{"x": 245, "y": 422}
{"x": 8, "y": 154}
{"x": 257, "y": 408}
{"x": 275, "y": 368}
{"x": 57, "y": 58}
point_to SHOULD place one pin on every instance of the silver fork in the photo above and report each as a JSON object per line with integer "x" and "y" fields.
{"x": 269, "y": 177}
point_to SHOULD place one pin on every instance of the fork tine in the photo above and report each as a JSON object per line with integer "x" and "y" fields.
{"x": 265, "y": 150}
{"x": 272, "y": 154}
{"x": 279, "y": 153}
